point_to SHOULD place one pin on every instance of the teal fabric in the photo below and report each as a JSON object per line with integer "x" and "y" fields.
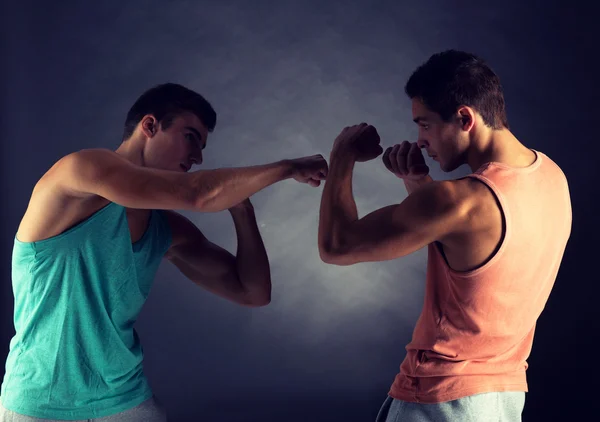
{"x": 148, "y": 411}
{"x": 75, "y": 354}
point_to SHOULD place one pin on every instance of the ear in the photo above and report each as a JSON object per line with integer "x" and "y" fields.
{"x": 466, "y": 116}
{"x": 149, "y": 125}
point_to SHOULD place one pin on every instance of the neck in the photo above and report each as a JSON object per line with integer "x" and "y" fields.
{"x": 133, "y": 150}
{"x": 499, "y": 146}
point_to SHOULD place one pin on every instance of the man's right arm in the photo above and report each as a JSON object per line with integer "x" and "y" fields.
{"x": 107, "y": 174}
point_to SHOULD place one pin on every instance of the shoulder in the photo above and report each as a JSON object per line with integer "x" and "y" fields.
{"x": 88, "y": 156}
{"x": 478, "y": 205}
{"x": 82, "y": 163}
{"x": 86, "y": 160}
{"x": 72, "y": 166}
{"x": 475, "y": 193}
{"x": 442, "y": 197}
{"x": 464, "y": 193}
{"x": 462, "y": 203}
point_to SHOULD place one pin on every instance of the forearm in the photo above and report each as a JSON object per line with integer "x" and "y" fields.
{"x": 412, "y": 185}
{"x": 338, "y": 208}
{"x": 252, "y": 262}
{"x": 220, "y": 189}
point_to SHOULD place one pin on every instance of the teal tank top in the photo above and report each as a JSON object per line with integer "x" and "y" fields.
{"x": 75, "y": 354}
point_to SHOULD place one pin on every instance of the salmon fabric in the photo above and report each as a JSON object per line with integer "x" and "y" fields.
{"x": 476, "y": 329}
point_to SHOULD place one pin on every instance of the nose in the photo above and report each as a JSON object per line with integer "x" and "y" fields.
{"x": 196, "y": 158}
{"x": 422, "y": 143}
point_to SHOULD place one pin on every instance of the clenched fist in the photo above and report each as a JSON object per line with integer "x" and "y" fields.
{"x": 362, "y": 140}
{"x": 310, "y": 170}
{"x": 406, "y": 161}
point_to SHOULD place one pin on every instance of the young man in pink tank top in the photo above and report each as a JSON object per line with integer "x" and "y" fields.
{"x": 495, "y": 242}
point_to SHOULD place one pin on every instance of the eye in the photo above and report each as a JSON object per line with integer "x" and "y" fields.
{"x": 193, "y": 139}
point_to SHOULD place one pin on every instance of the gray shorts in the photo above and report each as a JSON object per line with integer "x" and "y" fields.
{"x": 504, "y": 406}
{"x": 148, "y": 411}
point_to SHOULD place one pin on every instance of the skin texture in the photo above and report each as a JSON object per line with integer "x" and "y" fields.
{"x": 150, "y": 170}
{"x": 461, "y": 216}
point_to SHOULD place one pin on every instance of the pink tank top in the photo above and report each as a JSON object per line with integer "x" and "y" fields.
{"x": 475, "y": 332}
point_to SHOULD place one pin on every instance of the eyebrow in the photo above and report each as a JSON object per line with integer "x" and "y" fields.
{"x": 191, "y": 129}
{"x": 419, "y": 119}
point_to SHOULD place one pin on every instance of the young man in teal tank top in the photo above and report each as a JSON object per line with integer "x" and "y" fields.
{"x": 87, "y": 249}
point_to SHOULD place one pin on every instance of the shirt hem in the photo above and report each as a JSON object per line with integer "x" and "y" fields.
{"x": 411, "y": 396}
{"x": 69, "y": 415}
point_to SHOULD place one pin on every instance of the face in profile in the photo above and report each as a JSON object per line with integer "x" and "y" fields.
{"x": 445, "y": 142}
{"x": 176, "y": 147}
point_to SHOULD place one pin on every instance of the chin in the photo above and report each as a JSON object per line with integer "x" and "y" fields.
{"x": 447, "y": 168}
{"x": 446, "y": 165}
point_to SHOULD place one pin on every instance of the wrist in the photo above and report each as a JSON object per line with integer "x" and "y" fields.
{"x": 288, "y": 168}
{"x": 242, "y": 209}
{"x": 423, "y": 180}
{"x": 342, "y": 152}
{"x": 412, "y": 185}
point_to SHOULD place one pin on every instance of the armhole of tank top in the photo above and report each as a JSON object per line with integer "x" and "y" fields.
{"x": 45, "y": 245}
{"x": 505, "y": 221}
{"x": 164, "y": 230}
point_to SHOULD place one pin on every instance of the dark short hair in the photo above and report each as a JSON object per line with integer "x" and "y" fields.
{"x": 165, "y": 102}
{"x": 453, "y": 78}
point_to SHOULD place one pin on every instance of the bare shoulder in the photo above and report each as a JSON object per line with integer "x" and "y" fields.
{"x": 466, "y": 202}
{"x": 85, "y": 164}
{"x": 52, "y": 209}
{"x": 73, "y": 166}
{"x": 479, "y": 206}
{"x": 479, "y": 195}
{"x": 442, "y": 197}
{"x": 478, "y": 230}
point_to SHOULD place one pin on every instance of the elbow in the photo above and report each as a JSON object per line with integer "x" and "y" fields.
{"x": 256, "y": 299}
{"x": 256, "y": 302}
{"x": 202, "y": 197}
{"x": 260, "y": 302}
{"x": 335, "y": 255}
{"x": 326, "y": 254}
{"x": 206, "y": 201}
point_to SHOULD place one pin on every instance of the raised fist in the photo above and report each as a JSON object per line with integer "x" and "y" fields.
{"x": 362, "y": 140}
{"x": 406, "y": 161}
{"x": 310, "y": 170}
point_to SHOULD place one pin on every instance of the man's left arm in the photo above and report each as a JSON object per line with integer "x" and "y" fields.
{"x": 244, "y": 278}
{"x": 429, "y": 214}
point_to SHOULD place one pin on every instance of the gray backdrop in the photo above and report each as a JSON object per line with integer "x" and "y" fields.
{"x": 285, "y": 77}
